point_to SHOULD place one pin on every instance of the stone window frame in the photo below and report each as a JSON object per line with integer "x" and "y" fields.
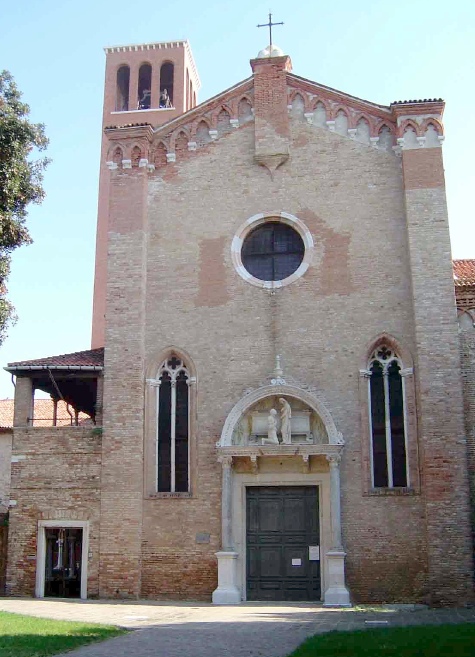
{"x": 410, "y": 419}
{"x": 43, "y": 525}
{"x": 257, "y": 220}
{"x": 151, "y": 424}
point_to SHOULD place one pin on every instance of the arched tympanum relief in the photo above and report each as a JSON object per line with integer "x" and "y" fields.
{"x": 279, "y": 415}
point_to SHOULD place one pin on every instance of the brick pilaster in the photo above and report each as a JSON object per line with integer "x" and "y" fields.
{"x": 122, "y": 451}
{"x": 440, "y": 412}
{"x": 23, "y": 408}
{"x": 467, "y": 357}
{"x": 272, "y": 131}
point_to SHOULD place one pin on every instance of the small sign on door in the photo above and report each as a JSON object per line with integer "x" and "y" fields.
{"x": 314, "y": 553}
{"x": 296, "y": 562}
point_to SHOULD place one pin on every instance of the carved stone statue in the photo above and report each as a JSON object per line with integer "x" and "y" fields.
{"x": 285, "y": 415}
{"x": 271, "y": 428}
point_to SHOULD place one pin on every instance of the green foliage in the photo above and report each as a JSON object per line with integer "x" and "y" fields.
{"x": 25, "y": 636}
{"x": 423, "y": 641}
{"x": 21, "y": 178}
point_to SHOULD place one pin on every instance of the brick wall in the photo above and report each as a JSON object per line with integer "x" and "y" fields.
{"x": 5, "y": 458}
{"x": 56, "y": 474}
{"x": 437, "y": 358}
{"x": 122, "y": 454}
{"x": 350, "y": 197}
{"x": 467, "y": 357}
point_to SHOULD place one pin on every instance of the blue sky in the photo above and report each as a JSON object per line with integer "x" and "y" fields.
{"x": 378, "y": 50}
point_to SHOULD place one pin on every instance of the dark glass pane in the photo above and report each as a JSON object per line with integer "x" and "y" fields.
{"x": 164, "y": 435}
{"x": 262, "y": 267}
{"x": 260, "y": 241}
{"x": 273, "y": 251}
{"x": 181, "y": 434}
{"x": 285, "y": 265}
{"x": 287, "y": 240}
{"x": 396, "y": 413}
{"x": 378, "y": 423}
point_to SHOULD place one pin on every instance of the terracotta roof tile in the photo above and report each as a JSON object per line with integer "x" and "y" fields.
{"x": 464, "y": 272}
{"x": 91, "y": 357}
{"x": 43, "y": 414}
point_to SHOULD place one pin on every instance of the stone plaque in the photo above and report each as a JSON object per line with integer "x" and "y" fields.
{"x": 202, "y": 537}
{"x": 314, "y": 553}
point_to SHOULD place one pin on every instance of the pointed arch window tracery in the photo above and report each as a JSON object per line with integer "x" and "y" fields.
{"x": 173, "y": 426}
{"x": 388, "y": 420}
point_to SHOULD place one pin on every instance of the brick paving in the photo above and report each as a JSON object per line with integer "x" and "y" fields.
{"x": 201, "y": 630}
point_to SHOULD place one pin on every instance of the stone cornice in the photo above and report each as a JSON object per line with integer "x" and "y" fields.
{"x": 418, "y": 107}
{"x": 278, "y": 450}
{"x": 115, "y": 133}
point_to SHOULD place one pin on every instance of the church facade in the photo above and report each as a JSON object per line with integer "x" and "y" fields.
{"x": 275, "y": 377}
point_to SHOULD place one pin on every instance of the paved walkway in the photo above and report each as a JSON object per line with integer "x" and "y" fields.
{"x": 202, "y": 630}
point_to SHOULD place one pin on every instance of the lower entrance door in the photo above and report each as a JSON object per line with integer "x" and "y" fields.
{"x": 63, "y": 562}
{"x": 282, "y": 537}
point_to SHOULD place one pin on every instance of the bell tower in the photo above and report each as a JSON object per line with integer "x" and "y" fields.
{"x": 148, "y": 83}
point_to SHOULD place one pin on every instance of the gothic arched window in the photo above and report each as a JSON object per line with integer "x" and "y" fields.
{"x": 387, "y": 420}
{"x": 173, "y": 421}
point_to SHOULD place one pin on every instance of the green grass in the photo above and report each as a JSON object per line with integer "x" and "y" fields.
{"x": 26, "y": 636}
{"x": 423, "y": 641}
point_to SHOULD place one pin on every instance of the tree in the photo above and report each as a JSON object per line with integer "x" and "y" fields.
{"x": 21, "y": 177}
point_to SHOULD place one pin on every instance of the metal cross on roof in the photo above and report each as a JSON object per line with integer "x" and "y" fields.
{"x": 270, "y": 25}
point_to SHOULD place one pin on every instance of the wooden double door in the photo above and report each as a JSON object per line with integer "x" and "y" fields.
{"x": 283, "y": 543}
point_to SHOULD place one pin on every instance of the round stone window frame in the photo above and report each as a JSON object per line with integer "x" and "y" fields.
{"x": 257, "y": 220}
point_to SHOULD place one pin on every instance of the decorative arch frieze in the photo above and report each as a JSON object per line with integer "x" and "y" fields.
{"x": 407, "y": 124}
{"x": 217, "y": 111}
{"x": 437, "y": 125}
{"x": 286, "y": 390}
{"x": 362, "y": 116}
{"x": 176, "y": 134}
{"x": 294, "y": 93}
{"x": 116, "y": 153}
{"x": 196, "y": 124}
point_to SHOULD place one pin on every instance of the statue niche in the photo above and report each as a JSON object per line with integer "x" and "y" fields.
{"x": 278, "y": 420}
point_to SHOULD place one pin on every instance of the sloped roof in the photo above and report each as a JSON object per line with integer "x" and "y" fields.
{"x": 464, "y": 273}
{"x": 43, "y": 414}
{"x": 77, "y": 359}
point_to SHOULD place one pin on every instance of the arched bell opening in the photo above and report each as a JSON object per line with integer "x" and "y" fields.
{"x": 166, "y": 85}
{"x": 122, "y": 90}
{"x": 144, "y": 89}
